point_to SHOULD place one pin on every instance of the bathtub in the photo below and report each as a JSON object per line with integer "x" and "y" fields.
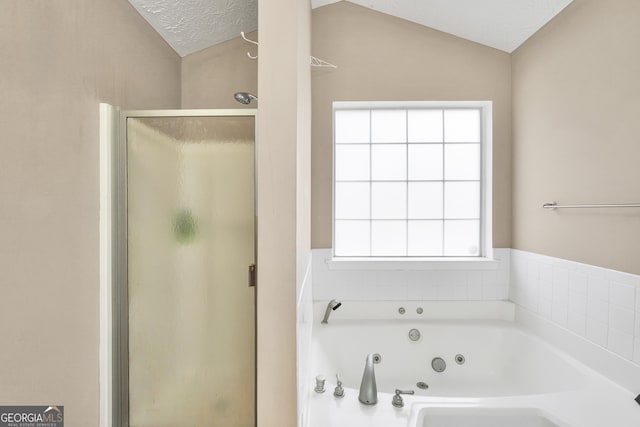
{"x": 495, "y": 372}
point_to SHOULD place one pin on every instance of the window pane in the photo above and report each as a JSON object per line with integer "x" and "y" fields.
{"x": 352, "y": 162}
{"x": 408, "y": 180}
{"x": 461, "y": 238}
{"x": 461, "y": 161}
{"x": 388, "y": 238}
{"x": 389, "y": 200}
{"x": 425, "y": 125}
{"x": 352, "y": 200}
{"x": 425, "y": 162}
{"x": 389, "y": 126}
{"x": 425, "y": 200}
{"x": 462, "y": 200}
{"x": 352, "y": 126}
{"x": 352, "y": 238}
{"x": 462, "y": 125}
{"x": 389, "y": 162}
{"x": 425, "y": 238}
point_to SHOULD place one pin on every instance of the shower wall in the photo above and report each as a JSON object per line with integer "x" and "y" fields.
{"x": 191, "y": 234}
{"x": 211, "y": 76}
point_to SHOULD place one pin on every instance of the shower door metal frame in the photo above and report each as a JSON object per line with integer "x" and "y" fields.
{"x": 120, "y": 267}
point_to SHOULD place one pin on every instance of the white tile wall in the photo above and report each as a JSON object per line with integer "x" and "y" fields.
{"x": 390, "y": 285}
{"x": 596, "y": 303}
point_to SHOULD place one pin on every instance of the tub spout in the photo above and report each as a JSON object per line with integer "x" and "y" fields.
{"x": 368, "y": 389}
{"x": 333, "y": 305}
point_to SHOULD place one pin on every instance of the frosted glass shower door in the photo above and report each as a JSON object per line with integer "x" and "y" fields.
{"x": 190, "y": 242}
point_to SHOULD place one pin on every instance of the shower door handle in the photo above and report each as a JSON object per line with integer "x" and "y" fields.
{"x": 252, "y": 275}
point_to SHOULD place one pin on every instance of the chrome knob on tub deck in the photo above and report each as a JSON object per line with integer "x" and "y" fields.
{"x": 339, "y": 390}
{"x": 368, "y": 388}
{"x": 397, "y": 399}
{"x": 333, "y": 305}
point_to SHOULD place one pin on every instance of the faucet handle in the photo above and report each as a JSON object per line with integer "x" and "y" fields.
{"x": 339, "y": 390}
{"x": 319, "y": 384}
{"x": 397, "y": 399}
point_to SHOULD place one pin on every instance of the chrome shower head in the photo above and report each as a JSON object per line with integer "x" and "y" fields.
{"x": 244, "y": 97}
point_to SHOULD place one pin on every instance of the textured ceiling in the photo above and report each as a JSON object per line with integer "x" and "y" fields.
{"x": 192, "y": 25}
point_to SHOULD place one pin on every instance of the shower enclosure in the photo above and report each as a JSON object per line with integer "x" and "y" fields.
{"x": 184, "y": 305}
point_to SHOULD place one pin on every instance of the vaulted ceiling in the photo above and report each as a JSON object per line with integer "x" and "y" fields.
{"x": 192, "y": 25}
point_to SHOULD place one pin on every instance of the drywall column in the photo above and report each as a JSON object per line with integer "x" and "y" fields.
{"x": 283, "y": 135}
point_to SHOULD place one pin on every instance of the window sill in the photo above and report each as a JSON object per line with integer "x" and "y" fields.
{"x": 462, "y": 263}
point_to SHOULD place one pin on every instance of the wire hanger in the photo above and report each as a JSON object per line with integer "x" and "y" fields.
{"x": 250, "y": 41}
{"x": 315, "y": 62}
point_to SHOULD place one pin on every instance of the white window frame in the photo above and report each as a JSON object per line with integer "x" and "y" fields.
{"x": 485, "y": 260}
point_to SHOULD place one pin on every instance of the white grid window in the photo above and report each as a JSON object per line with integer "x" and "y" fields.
{"x": 409, "y": 179}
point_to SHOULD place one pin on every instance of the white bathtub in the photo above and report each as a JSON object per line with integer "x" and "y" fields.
{"x": 505, "y": 369}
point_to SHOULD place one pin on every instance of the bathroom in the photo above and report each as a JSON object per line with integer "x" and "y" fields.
{"x": 553, "y": 140}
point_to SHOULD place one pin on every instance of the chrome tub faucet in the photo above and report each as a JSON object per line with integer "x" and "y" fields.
{"x": 333, "y": 305}
{"x": 368, "y": 388}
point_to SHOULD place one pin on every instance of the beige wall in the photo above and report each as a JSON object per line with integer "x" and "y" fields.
{"x": 576, "y": 104}
{"x": 211, "y": 76}
{"x": 385, "y": 58}
{"x": 59, "y": 59}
